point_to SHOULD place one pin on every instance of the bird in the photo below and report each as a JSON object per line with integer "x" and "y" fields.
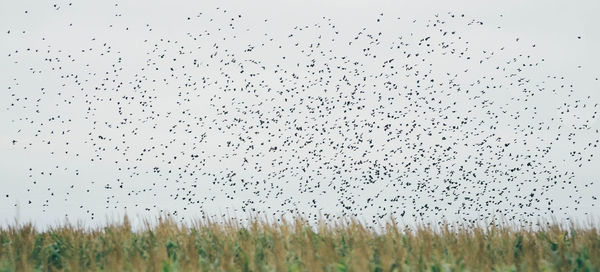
{"x": 317, "y": 119}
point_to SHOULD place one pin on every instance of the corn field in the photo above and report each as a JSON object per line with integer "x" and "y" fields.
{"x": 296, "y": 245}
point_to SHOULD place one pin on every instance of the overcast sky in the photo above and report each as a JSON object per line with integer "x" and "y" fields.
{"x": 68, "y": 149}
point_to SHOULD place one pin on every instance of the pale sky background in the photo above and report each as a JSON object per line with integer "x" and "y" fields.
{"x": 122, "y": 34}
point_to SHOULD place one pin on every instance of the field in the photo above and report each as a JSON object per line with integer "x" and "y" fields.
{"x": 296, "y": 245}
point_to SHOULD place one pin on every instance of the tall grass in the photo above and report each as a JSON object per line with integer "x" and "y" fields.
{"x": 296, "y": 245}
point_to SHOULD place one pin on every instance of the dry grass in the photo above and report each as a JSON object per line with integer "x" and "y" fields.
{"x": 298, "y": 246}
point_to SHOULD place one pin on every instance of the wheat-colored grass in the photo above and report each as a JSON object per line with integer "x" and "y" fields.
{"x": 296, "y": 245}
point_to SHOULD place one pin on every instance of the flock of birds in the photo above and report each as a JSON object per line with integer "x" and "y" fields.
{"x": 418, "y": 122}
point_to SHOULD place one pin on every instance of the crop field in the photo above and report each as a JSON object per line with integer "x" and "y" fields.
{"x": 296, "y": 245}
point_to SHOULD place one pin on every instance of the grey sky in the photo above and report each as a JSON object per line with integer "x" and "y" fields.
{"x": 564, "y": 35}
